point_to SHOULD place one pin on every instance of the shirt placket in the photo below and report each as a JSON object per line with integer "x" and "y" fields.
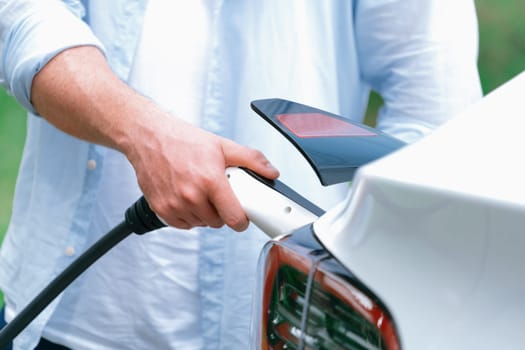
{"x": 212, "y": 243}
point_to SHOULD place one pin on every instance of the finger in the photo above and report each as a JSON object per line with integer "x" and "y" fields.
{"x": 208, "y": 215}
{"x": 237, "y": 155}
{"x": 179, "y": 216}
{"x": 228, "y": 206}
{"x": 195, "y": 205}
{"x": 194, "y": 220}
{"x": 194, "y": 217}
{"x": 179, "y": 223}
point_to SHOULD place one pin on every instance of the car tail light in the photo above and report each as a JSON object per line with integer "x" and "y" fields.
{"x": 309, "y": 302}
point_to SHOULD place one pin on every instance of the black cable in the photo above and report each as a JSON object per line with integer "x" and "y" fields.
{"x": 139, "y": 218}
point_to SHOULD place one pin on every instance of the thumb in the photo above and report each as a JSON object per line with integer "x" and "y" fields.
{"x": 237, "y": 155}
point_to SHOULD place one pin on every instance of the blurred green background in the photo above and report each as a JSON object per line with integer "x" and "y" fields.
{"x": 502, "y": 56}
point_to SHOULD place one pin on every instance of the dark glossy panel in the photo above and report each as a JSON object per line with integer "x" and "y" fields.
{"x": 311, "y": 298}
{"x": 334, "y": 155}
{"x": 304, "y": 239}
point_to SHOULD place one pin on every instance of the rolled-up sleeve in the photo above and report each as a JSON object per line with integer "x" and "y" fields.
{"x": 421, "y": 57}
{"x": 32, "y": 32}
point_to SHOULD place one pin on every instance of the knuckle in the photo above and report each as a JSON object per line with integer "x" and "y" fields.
{"x": 209, "y": 181}
{"x": 189, "y": 195}
{"x": 214, "y": 187}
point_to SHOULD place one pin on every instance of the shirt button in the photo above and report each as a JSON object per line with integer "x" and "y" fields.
{"x": 70, "y": 251}
{"x": 91, "y": 164}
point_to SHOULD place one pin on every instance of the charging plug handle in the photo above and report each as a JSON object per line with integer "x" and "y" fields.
{"x": 141, "y": 219}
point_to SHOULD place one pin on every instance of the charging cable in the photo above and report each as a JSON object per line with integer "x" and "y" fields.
{"x": 139, "y": 219}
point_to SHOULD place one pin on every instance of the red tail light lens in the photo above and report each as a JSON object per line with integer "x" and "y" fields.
{"x": 309, "y": 305}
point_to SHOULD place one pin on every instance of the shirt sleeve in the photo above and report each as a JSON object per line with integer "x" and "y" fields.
{"x": 32, "y": 32}
{"x": 421, "y": 57}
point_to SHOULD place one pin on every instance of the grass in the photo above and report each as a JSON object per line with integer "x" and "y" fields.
{"x": 12, "y": 135}
{"x": 501, "y": 48}
{"x": 501, "y": 56}
{"x": 502, "y": 41}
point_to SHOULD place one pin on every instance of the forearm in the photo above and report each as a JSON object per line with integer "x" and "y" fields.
{"x": 78, "y": 93}
{"x": 31, "y": 33}
{"x": 179, "y": 167}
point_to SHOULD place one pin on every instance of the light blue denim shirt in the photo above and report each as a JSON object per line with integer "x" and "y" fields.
{"x": 419, "y": 55}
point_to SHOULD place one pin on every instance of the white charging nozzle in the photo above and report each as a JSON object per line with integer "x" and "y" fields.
{"x": 270, "y": 210}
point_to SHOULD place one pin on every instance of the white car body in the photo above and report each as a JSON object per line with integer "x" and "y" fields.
{"x": 437, "y": 229}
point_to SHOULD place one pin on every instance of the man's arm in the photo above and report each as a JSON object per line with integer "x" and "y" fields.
{"x": 180, "y": 168}
{"x": 31, "y": 33}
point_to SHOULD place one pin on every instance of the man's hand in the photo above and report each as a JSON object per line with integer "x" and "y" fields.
{"x": 181, "y": 172}
{"x": 180, "y": 168}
